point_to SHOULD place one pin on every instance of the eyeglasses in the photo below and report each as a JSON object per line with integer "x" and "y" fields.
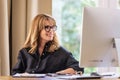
{"x": 48, "y": 28}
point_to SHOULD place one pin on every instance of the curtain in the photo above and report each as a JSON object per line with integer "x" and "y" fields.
{"x": 15, "y": 19}
{"x": 4, "y": 38}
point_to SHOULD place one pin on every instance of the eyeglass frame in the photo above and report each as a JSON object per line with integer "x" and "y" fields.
{"x": 48, "y": 28}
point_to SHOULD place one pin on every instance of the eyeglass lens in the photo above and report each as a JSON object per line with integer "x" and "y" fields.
{"x": 48, "y": 28}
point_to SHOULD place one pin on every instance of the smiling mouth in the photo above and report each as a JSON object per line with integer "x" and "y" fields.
{"x": 50, "y": 35}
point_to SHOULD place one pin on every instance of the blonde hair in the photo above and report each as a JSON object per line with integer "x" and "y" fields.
{"x": 33, "y": 37}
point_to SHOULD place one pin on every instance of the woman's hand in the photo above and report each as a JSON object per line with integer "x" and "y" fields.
{"x": 67, "y": 71}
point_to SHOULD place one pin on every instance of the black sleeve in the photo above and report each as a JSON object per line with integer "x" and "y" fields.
{"x": 20, "y": 65}
{"x": 73, "y": 63}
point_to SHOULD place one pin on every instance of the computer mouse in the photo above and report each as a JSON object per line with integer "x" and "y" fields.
{"x": 95, "y": 74}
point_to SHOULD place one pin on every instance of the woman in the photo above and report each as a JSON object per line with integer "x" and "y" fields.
{"x": 42, "y": 53}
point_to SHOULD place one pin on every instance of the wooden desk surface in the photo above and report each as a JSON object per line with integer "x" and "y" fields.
{"x": 48, "y": 78}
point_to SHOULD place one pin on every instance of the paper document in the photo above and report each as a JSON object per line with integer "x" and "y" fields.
{"x": 29, "y": 75}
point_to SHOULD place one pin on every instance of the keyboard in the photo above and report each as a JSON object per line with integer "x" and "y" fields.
{"x": 89, "y": 77}
{"x": 77, "y": 76}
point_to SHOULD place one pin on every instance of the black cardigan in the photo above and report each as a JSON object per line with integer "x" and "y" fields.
{"x": 47, "y": 63}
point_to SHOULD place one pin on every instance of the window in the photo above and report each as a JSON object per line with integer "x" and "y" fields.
{"x": 68, "y": 14}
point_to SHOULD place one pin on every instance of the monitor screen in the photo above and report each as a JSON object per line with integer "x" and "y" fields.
{"x": 99, "y": 29}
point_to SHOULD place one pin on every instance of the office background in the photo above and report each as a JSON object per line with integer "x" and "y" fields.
{"x": 15, "y": 18}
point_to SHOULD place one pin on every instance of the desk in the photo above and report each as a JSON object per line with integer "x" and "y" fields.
{"x": 47, "y": 78}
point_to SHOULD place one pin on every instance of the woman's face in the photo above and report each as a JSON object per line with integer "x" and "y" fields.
{"x": 47, "y": 33}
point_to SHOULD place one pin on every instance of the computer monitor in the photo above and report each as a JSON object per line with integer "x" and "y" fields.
{"x": 100, "y": 38}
